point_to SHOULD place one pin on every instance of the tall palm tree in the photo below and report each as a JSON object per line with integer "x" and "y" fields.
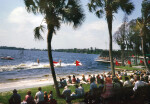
{"x": 55, "y": 12}
{"x": 109, "y": 7}
{"x": 143, "y": 24}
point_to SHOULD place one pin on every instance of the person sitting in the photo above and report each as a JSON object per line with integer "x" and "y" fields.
{"x": 39, "y": 96}
{"x": 15, "y": 98}
{"x": 29, "y": 99}
{"x": 131, "y": 79}
{"x": 120, "y": 79}
{"x": 50, "y": 96}
{"x": 66, "y": 94}
{"x": 101, "y": 85}
{"x": 64, "y": 82}
{"x": 77, "y": 93}
{"x": 73, "y": 79}
{"x": 78, "y": 80}
{"x": 93, "y": 86}
{"x": 127, "y": 83}
{"x": 81, "y": 90}
{"x": 108, "y": 88}
{"x": 89, "y": 79}
{"x": 138, "y": 83}
{"x": 98, "y": 79}
{"x": 69, "y": 80}
{"x": 45, "y": 96}
{"x": 93, "y": 77}
{"x": 116, "y": 83}
{"x": 83, "y": 78}
{"x": 60, "y": 83}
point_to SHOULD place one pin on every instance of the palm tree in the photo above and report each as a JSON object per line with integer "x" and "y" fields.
{"x": 143, "y": 24}
{"x": 55, "y": 12}
{"x": 109, "y": 7}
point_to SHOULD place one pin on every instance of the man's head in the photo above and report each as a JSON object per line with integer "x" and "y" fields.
{"x": 14, "y": 91}
{"x": 29, "y": 92}
{"x": 39, "y": 88}
{"x": 81, "y": 85}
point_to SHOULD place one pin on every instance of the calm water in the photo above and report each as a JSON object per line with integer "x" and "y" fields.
{"x": 24, "y": 66}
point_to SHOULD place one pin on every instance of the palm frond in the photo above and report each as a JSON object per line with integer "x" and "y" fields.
{"x": 126, "y": 6}
{"x": 73, "y": 13}
{"x": 31, "y": 6}
{"x": 37, "y": 32}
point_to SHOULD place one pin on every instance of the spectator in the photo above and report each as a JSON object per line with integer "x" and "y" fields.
{"x": 29, "y": 99}
{"x": 108, "y": 87}
{"x": 69, "y": 80}
{"x": 127, "y": 82}
{"x": 66, "y": 94}
{"x": 45, "y": 96}
{"x": 64, "y": 82}
{"x": 138, "y": 83}
{"x": 78, "y": 80}
{"x": 50, "y": 96}
{"x": 131, "y": 79}
{"x": 92, "y": 86}
{"x": 98, "y": 79}
{"x": 83, "y": 78}
{"x": 81, "y": 90}
{"x": 77, "y": 93}
{"x": 101, "y": 85}
{"x": 73, "y": 79}
{"x": 116, "y": 83}
{"x": 61, "y": 83}
{"x": 39, "y": 96}
{"x": 120, "y": 79}
{"x": 89, "y": 78}
{"x": 15, "y": 98}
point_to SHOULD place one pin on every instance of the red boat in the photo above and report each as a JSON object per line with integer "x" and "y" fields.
{"x": 7, "y": 58}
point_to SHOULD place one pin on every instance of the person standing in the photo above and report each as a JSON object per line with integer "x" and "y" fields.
{"x": 60, "y": 62}
{"x": 39, "y": 96}
{"x": 38, "y": 61}
{"x": 15, "y": 98}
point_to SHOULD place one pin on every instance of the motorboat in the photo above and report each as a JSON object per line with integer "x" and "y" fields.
{"x": 7, "y": 58}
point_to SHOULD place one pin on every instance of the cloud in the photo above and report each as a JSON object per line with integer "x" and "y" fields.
{"x": 20, "y": 16}
{"x": 21, "y": 26}
{"x": 90, "y": 34}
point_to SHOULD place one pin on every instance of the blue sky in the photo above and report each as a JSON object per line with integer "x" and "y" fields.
{"x": 16, "y": 28}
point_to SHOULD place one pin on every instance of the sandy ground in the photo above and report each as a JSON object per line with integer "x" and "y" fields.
{"x": 22, "y": 84}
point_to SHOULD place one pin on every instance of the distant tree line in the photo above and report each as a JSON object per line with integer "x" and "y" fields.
{"x": 12, "y": 48}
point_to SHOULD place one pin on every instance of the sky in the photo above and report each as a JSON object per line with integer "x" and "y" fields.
{"x": 17, "y": 25}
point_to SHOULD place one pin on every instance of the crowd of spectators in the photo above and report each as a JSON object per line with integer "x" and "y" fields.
{"x": 104, "y": 89}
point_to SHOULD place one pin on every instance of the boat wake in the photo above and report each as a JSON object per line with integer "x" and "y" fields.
{"x": 32, "y": 66}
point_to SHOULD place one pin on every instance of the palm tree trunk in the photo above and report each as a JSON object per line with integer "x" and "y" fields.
{"x": 122, "y": 56}
{"x": 49, "y": 38}
{"x": 144, "y": 54}
{"x": 109, "y": 23}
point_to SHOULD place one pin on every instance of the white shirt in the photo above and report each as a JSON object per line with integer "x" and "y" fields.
{"x": 40, "y": 96}
{"x": 132, "y": 80}
{"x": 138, "y": 84}
{"x": 127, "y": 84}
{"x": 81, "y": 90}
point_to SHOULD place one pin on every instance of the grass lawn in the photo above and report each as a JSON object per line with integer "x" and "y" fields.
{"x": 4, "y": 96}
{"x": 127, "y": 68}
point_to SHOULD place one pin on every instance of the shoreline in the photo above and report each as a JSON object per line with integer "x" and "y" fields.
{"x": 23, "y": 84}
